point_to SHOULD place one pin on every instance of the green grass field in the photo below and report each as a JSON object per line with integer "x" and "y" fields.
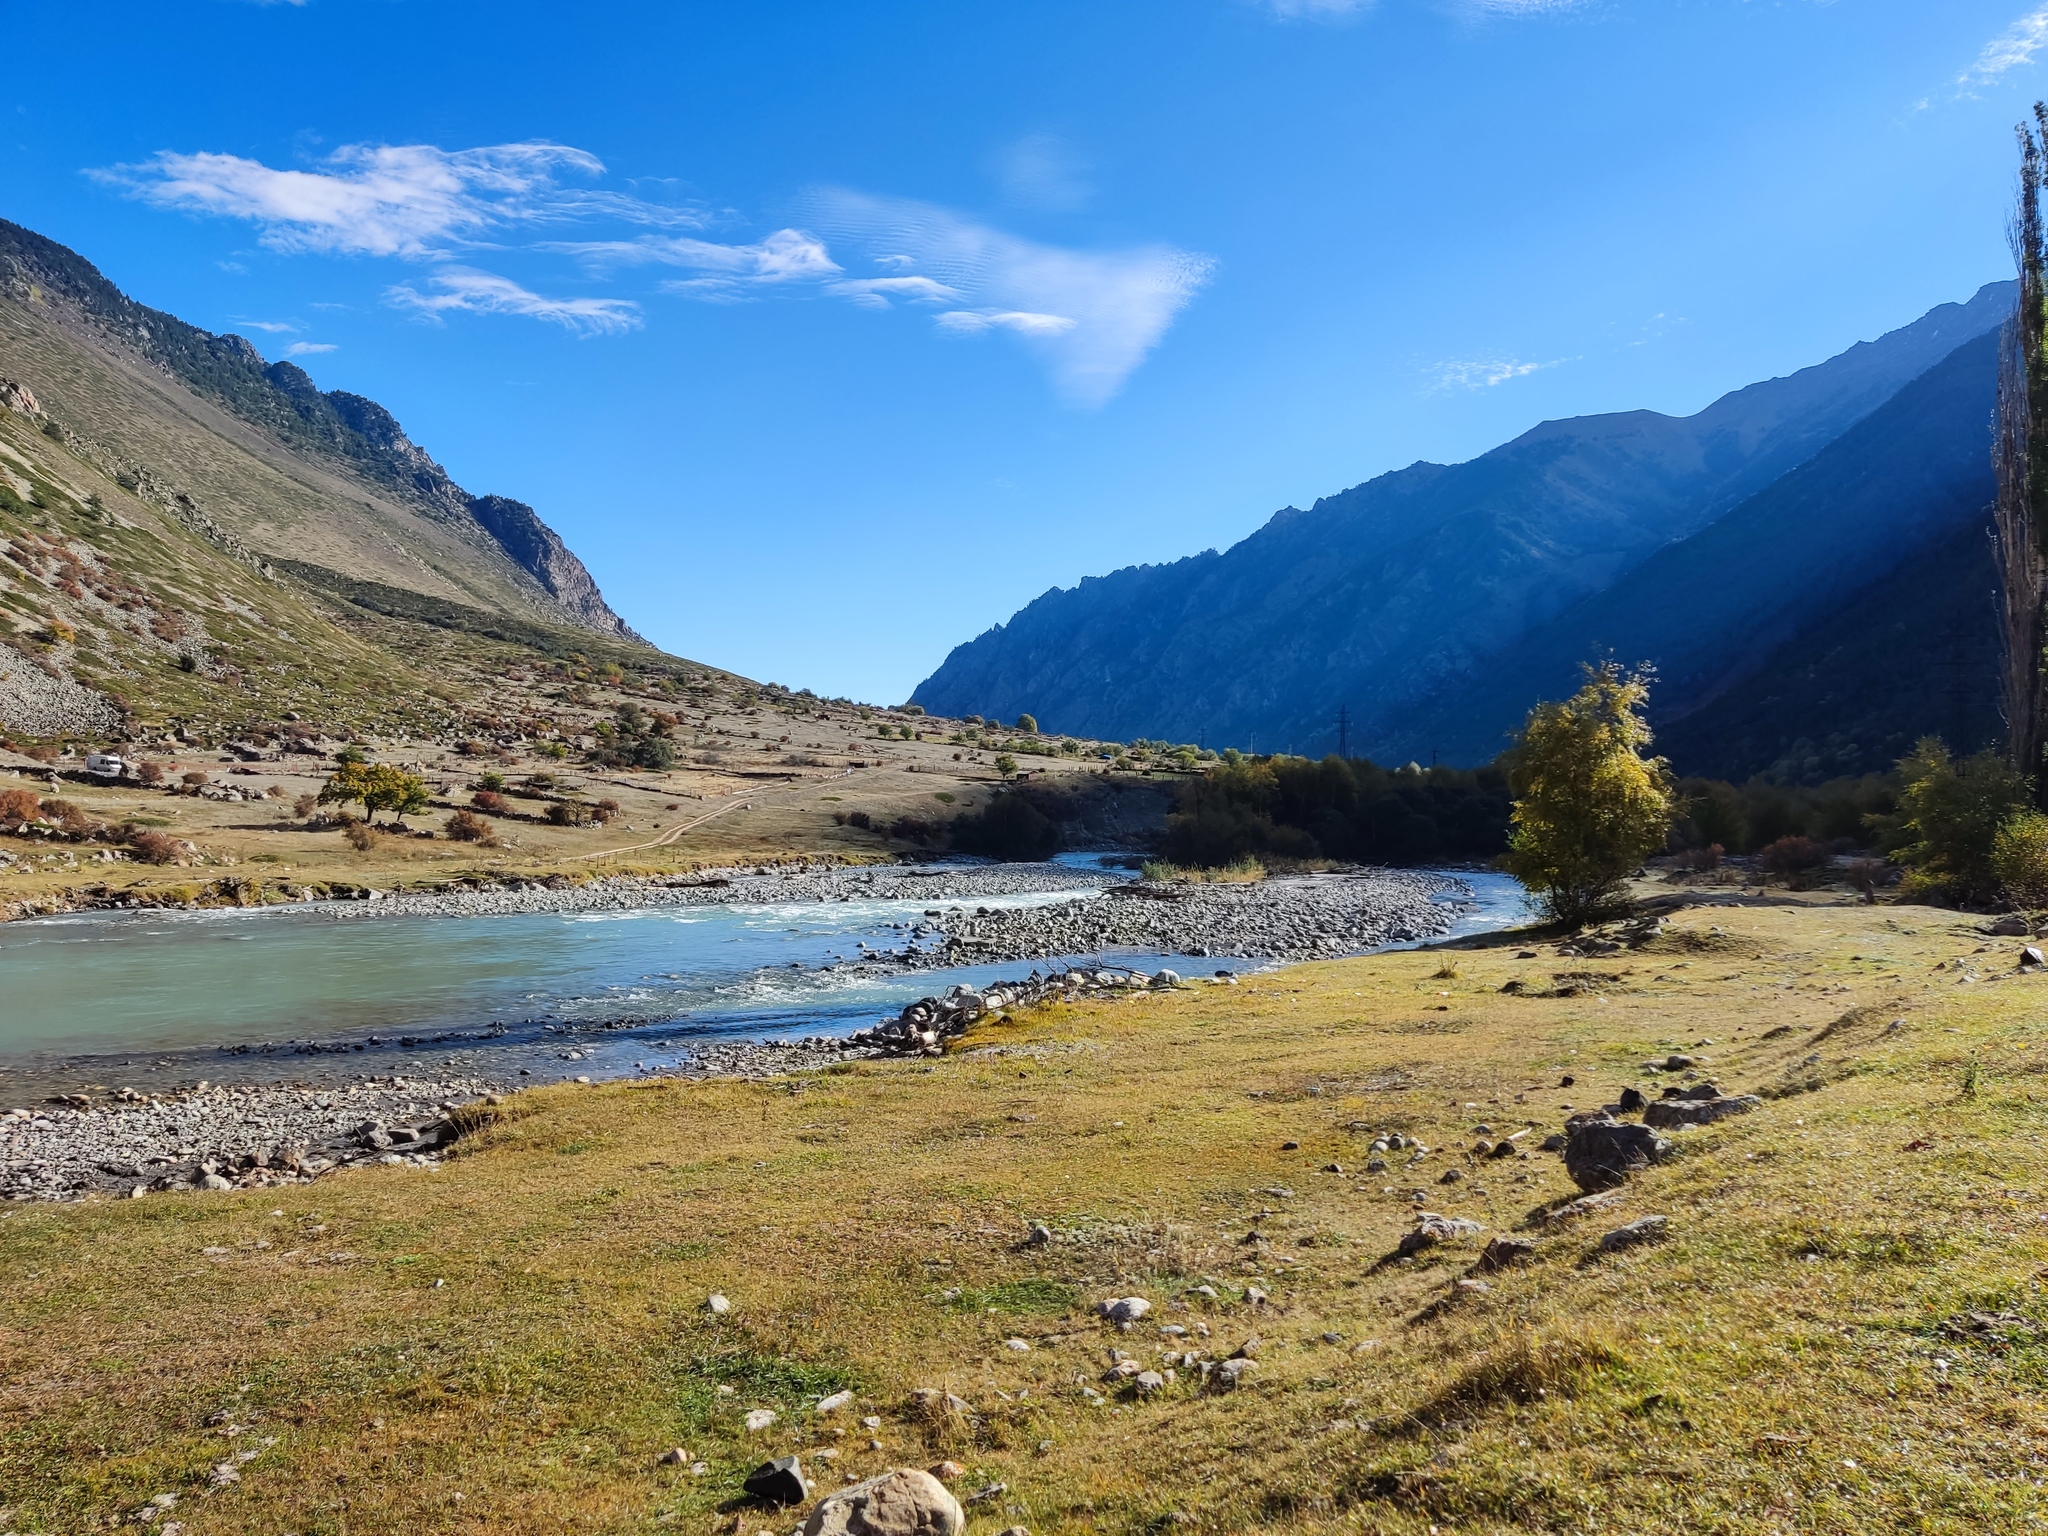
{"x": 510, "y": 1344}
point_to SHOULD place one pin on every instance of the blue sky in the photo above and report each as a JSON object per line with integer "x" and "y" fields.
{"x": 830, "y": 335}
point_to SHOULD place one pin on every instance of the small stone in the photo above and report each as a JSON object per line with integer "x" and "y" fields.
{"x": 1017, "y": 1346}
{"x": 1376, "y": 1165}
{"x": 1290, "y": 1146}
{"x": 1602, "y": 1151}
{"x": 948, "y": 1471}
{"x": 214, "y": 1181}
{"x": 1645, "y": 1229}
{"x": 717, "y": 1305}
{"x": 675, "y": 1458}
{"x": 1149, "y": 1382}
{"x": 1431, "y": 1229}
{"x": 1229, "y": 1375}
{"x": 1451, "y": 1176}
{"x": 2031, "y": 956}
{"x": 759, "y": 1419}
{"x": 780, "y": 1481}
{"x": 1254, "y": 1297}
{"x": 835, "y": 1402}
{"x": 1502, "y": 1252}
{"x": 1041, "y": 1234}
{"x": 1123, "y": 1309}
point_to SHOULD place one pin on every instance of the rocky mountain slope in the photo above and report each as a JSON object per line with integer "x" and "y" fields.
{"x": 1409, "y": 598}
{"x": 188, "y": 534}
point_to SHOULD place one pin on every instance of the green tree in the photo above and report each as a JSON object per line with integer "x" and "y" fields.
{"x": 1006, "y": 765}
{"x": 1028, "y": 724}
{"x": 378, "y": 786}
{"x": 2020, "y": 455}
{"x": 1950, "y": 812}
{"x": 2019, "y": 860}
{"x": 1589, "y": 807}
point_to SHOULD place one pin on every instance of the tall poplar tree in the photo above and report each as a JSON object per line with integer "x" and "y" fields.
{"x": 2020, "y": 516}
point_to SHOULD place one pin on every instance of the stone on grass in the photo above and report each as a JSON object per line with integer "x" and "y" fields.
{"x": 905, "y": 1502}
{"x": 759, "y": 1419}
{"x": 947, "y": 1471}
{"x": 835, "y": 1402}
{"x": 780, "y": 1481}
{"x": 717, "y": 1305}
{"x": 1149, "y": 1382}
{"x": 1644, "y": 1229}
{"x": 1601, "y": 1152}
{"x": 1431, "y": 1229}
{"x": 1704, "y": 1110}
{"x": 1229, "y": 1375}
{"x": 1502, "y": 1252}
{"x": 1017, "y": 1346}
{"x": 1123, "y": 1309}
{"x": 674, "y": 1458}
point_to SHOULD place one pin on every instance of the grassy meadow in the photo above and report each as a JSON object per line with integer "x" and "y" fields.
{"x": 511, "y": 1343}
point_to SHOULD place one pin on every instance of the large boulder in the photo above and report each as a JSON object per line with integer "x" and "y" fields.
{"x": 905, "y": 1502}
{"x": 1601, "y": 1152}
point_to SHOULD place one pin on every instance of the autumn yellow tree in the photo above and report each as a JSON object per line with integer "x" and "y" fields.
{"x": 1589, "y": 806}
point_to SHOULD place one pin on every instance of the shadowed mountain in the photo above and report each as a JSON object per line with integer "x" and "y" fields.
{"x": 1397, "y": 597}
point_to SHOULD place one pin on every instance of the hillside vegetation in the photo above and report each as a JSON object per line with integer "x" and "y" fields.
{"x": 1841, "y": 1332}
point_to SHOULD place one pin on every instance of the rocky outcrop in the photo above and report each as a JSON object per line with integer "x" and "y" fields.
{"x": 538, "y": 549}
{"x": 1601, "y": 1151}
{"x": 924, "y": 1026}
{"x": 906, "y": 1502}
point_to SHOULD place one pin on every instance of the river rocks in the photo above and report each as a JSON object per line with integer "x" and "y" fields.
{"x": 905, "y": 1502}
{"x": 1600, "y": 1151}
{"x": 221, "y": 1137}
{"x": 1698, "y": 1109}
{"x": 1644, "y": 1229}
{"x": 780, "y": 1481}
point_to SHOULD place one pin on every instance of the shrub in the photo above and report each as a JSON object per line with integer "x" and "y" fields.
{"x": 57, "y": 632}
{"x": 155, "y": 847}
{"x": 912, "y": 709}
{"x": 1792, "y": 859}
{"x": 494, "y": 783}
{"x": 18, "y": 806}
{"x": 467, "y": 827}
{"x": 2019, "y": 859}
{"x": 1701, "y": 860}
{"x": 275, "y": 792}
{"x": 305, "y": 805}
{"x": 1950, "y": 811}
{"x": 359, "y": 836}
{"x": 194, "y": 778}
{"x": 1589, "y": 806}
{"x": 1006, "y": 765}
{"x": 150, "y": 773}
{"x": 489, "y": 801}
{"x": 569, "y": 813}
{"x": 1028, "y": 724}
{"x": 604, "y": 811}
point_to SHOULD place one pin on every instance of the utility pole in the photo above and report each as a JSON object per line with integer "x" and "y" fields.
{"x": 1343, "y": 731}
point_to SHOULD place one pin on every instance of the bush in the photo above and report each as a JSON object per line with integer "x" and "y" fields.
{"x": 1589, "y": 806}
{"x": 1701, "y": 860}
{"x": 490, "y": 802}
{"x": 1028, "y": 724}
{"x": 2019, "y": 859}
{"x": 604, "y": 811}
{"x": 467, "y": 827}
{"x": 1006, "y": 765}
{"x": 1950, "y": 812}
{"x": 359, "y": 836}
{"x": 18, "y": 806}
{"x": 305, "y": 805}
{"x": 1792, "y": 859}
{"x": 150, "y": 773}
{"x": 194, "y": 779}
{"x": 155, "y": 847}
{"x": 569, "y": 813}
{"x": 494, "y": 783}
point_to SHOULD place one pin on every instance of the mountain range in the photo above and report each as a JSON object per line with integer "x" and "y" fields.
{"x": 189, "y": 532}
{"x": 1744, "y": 551}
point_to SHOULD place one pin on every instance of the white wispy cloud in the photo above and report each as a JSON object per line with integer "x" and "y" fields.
{"x": 1091, "y": 315}
{"x": 276, "y": 327}
{"x": 2014, "y": 48}
{"x": 410, "y": 200}
{"x": 876, "y": 292}
{"x": 787, "y": 256}
{"x": 1484, "y": 373}
{"x": 486, "y": 293}
{"x": 308, "y": 348}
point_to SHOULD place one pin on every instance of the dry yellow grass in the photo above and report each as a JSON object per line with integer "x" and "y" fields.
{"x": 1776, "y": 1366}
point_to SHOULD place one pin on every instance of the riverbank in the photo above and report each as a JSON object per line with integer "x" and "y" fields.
{"x": 1831, "y": 1330}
